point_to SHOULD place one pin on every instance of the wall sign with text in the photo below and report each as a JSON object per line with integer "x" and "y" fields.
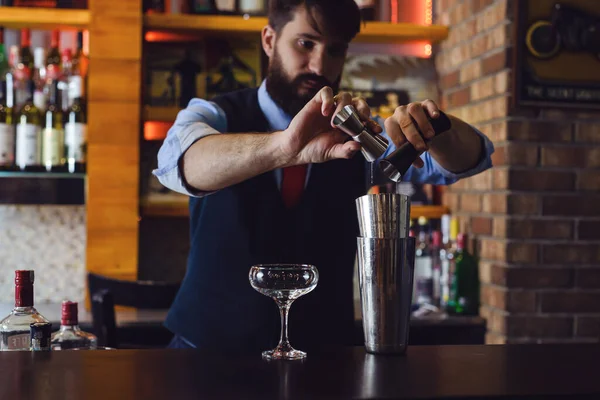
{"x": 557, "y": 60}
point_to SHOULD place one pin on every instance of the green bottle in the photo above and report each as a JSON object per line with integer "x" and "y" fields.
{"x": 464, "y": 292}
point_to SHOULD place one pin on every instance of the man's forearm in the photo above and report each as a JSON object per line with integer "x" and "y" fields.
{"x": 218, "y": 161}
{"x": 459, "y": 149}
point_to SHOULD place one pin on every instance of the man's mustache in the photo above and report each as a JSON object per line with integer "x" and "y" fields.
{"x": 320, "y": 80}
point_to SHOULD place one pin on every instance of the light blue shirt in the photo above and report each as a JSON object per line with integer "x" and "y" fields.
{"x": 202, "y": 118}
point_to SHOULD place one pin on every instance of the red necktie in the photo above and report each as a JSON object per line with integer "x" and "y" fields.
{"x": 293, "y": 184}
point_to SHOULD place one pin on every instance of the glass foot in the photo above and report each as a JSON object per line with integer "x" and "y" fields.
{"x": 283, "y": 354}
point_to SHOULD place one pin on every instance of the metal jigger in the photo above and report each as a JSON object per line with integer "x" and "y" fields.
{"x": 386, "y": 261}
{"x": 348, "y": 120}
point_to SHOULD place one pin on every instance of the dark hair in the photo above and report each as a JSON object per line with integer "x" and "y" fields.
{"x": 339, "y": 18}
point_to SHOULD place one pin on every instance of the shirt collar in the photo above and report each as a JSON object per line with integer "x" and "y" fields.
{"x": 278, "y": 119}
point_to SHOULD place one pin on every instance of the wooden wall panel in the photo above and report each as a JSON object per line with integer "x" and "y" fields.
{"x": 114, "y": 131}
{"x": 115, "y": 81}
{"x": 124, "y": 115}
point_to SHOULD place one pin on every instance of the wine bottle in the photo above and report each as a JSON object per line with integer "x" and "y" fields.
{"x": 7, "y": 131}
{"x": 227, "y": 7}
{"x": 28, "y": 153}
{"x": 39, "y": 78}
{"x": 53, "y": 134}
{"x": 53, "y": 58}
{"x": 76, "y": 128}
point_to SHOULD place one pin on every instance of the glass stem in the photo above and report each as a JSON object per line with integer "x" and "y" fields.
{"x": 284, "y": 310}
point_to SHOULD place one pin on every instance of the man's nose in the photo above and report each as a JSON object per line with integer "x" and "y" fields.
{"x": 317, "y": 64}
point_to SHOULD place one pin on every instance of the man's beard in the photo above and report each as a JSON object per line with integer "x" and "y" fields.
{"x": 286, "y": 93}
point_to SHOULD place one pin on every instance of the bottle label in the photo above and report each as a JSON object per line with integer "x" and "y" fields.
{"x": 225, "y": 5}
{"x": 252, "y": 5}
{"x": 7, "y": 144}
{"x": 39, "y": 99}
{"x": 17, "y": 341}
{"x": 75, "y": 141}
{"x": 52, "y": 71}
{"x": 53, "y": 148}
{"x": 28, "y": 145}
{"x": 75, "y": 84}
{"x": 365, "y": 3}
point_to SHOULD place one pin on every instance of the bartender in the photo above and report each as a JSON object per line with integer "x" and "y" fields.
{"x": 271, "y": 180}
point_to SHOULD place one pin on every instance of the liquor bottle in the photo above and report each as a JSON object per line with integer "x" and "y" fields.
{"x": 76, "y": 128}
{"x": 367, "y": 9}
{"x": 464, "y": 293}
{"x": 436, "y": 264}
{"x": 7, "y": 131}
{"x": 423, "y": 276}
{"x": 28, "y": 148}
{"x": 449, "y": 252}
{"x": 4, "y": 66}
{"x": 39, "y": 78}
{"x": 252, "y": 7}
{"x": 40, "y": 334}
{"x": 384, "y": 10}
{"x": 227, "y": 7}
{"x": 53, "y": 134}
{"x": 70, "y": 336}
{"x": 53, "y": 58}
{"x": 15, "y": 328}
{"x": 202, "y": 6}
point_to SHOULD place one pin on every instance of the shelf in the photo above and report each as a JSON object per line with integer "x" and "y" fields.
{"x": 429, "y": 212}
{"x": 42, "y": 188}
{"x": 44, "y": 175}
{"x": 371, "y": 32}
{"x": 160, "y": 114}
{"x": 43, "y": 18}
{"x": 177, "y": 206}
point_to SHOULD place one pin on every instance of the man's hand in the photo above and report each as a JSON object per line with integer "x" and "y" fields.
{"x": 401, "y": 128}
{"x": 312, "y": 136}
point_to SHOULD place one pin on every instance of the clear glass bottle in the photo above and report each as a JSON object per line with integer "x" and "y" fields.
{"x": 15, "y": 328}
{"x": 70, "y": 336}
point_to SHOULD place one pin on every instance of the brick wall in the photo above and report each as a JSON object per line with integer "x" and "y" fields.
{"x": 536, "y": 214}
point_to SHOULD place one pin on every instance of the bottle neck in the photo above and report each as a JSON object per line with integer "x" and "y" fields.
{"x": 24, "y": 296}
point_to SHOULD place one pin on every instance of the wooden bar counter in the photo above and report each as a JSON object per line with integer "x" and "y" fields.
{"x": 432, "y": 372}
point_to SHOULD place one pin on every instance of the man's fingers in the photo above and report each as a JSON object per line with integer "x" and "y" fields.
{"x": 341, "y": 100}
{"x": 431, "y": 108}
{"x": 344, "y": 150}
{"x": 325, "y": 97}
{"x": 373, "y": 126}
{"x": 394, "y": 132}
{"x": 419, "y": 163}
{"x": 402, "y": 117}
{"x": 362, "y": 107}
{"x": 418, "y": 114}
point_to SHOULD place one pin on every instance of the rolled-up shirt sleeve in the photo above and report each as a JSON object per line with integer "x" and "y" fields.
{"x": 433, "y": 173}
{"x": 201, "y": 118}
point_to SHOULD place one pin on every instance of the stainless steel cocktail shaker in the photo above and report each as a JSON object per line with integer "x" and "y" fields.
{"x": 386, "y": 260}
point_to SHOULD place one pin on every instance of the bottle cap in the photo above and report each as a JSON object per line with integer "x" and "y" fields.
{"x": 24, "y": 277}
{"x": 69, "y": 313}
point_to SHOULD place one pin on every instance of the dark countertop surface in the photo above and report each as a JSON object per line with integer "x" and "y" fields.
{"x": 567, "y": 371}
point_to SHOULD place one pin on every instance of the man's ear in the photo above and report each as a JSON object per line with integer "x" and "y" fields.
{"x": 268, "y": 38}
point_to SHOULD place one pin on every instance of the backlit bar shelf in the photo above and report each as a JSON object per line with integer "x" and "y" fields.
{"x": 371, "y": 32}
{"x": 43, "y": 18}
{"x": 178, "y": 207}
